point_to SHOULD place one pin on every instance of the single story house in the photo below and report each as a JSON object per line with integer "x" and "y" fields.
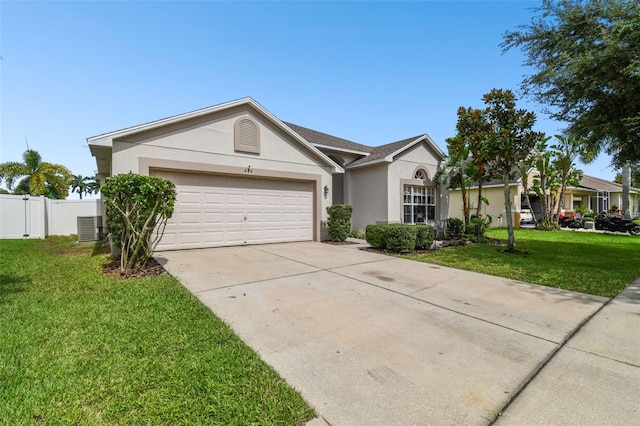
{"x": 243, "y": 176}
{"x": 594, "y": 193}
{"x": 600, "y": 195}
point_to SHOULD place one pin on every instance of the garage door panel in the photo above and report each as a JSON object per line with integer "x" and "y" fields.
{"x": 214, "y": 210}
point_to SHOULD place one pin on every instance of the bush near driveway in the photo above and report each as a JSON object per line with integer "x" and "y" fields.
{"x": 339, "y": 222}
{"x": 400, "y": 237}
{"x": 80, "y": 348}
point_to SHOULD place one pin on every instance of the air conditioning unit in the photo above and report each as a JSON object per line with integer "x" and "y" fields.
{"x": 89, "y": 228}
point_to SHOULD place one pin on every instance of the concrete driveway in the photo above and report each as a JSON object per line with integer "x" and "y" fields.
{"x": 373, "y": 340}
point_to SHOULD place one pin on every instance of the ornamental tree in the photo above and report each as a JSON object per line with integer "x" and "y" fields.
{"x": 509, "y": 141}
{"x": 137, "y": 208}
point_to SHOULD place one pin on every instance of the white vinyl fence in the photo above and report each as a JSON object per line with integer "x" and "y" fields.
{"x": 25, "y": 216}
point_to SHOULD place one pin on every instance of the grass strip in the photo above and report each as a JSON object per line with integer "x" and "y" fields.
{"x": 594, "y": 263}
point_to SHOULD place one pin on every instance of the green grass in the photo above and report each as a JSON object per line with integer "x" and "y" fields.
{"x": 80, "y": 348}
{"x": 593, "y": 263}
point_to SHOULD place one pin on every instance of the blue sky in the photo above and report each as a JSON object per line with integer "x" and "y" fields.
{"x": 370, "y": 72}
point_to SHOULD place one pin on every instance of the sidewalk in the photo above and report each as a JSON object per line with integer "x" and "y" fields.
{"x": 594, "y": 379}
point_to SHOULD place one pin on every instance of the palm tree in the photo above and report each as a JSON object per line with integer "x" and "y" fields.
{"x": 36, "y": 176}
{"x": 452, "y": 172}
{"x": 84, "y": 185}
{"x": 565, "y": 152}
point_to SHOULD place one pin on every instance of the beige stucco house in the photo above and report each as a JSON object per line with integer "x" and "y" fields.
{"x": 243, "y": 176}
{"x": 594, "y": 193}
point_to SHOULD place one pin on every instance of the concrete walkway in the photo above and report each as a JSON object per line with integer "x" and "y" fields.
{"x": 371, "y": 339}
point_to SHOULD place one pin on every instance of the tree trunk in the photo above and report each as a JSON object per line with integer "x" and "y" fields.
{"x": 543, "y": 199}
{"x": 626, "y": 184}
{"x": 511, "y": 241}
{"x": 525, "y": 189}
{"x": 563, "y": 189}
{"x": 465, "y": 201}
{"x": 479, "y": 211}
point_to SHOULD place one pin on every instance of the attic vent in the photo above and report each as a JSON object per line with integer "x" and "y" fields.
{"x": 89, "y": 228}
{"x": 247, "y": 136}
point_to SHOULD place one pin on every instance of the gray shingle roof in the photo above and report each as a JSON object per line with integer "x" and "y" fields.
{"x": 375, "y": 153}
{"x": 382, "y": 151}
{"x": 320, "y": 138}
{"x": 598, "y": 184}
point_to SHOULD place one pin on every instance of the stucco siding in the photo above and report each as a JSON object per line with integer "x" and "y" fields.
{"x": 211, "y": 140}
{"x": 495, "y": 208}
{"x": 419, "y": 155}
{"x": 206, "y": 145}
{"x": 367, "y": 194}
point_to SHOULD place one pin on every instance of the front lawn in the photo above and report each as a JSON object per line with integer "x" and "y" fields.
{"x": 593, "y": 263}
{"x": 80, "y": 348}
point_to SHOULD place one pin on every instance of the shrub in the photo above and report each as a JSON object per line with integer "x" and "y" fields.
{"x": 477, "y": 227}
{"x": 401, "y": 238}
{"x": 376, "y": 236}
{"x": 137, "y": 209}
{"x": 357, "y": 233}
{"x": 424, "y": 237}
{"x": 339, "y": 222}
{"x": 455, "y": 228}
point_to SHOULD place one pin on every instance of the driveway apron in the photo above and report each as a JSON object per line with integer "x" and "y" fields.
{"x": 376, "y": 340}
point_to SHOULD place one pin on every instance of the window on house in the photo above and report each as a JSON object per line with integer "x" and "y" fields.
{"x": 603, "y": 201}
{"x": 419, "y": 204}
{"x": 420, "y": 174}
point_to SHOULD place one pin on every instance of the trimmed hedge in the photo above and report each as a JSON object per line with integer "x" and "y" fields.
{"x": 376, "y": 236}
{"x": 424, "y": 237}
{"x": 339, "y": 222}
{"x": 400, "y": 237}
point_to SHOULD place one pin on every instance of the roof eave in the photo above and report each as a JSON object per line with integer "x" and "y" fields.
{"x": 424, "y": 137}
{"x": 368, "y": 163}
{"x": 106, "y": 139}
{"x": 345, "y": 150}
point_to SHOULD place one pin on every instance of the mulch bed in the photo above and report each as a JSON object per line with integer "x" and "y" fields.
{"x": 339, "y": 243}
{"x": 150, "y": 269}
{"x": 440, "y": 244}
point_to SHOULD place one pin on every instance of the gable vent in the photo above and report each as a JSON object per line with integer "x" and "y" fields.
{"x": 247, "y": 136}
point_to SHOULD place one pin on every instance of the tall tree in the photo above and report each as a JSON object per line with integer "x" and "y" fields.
{"x": 635, "y": 176}
{"x": 84, "y": 185}
{"x": 587, "y": 70}
{"x": 36, "y": 175}
{"x": 566, "y": 151}
{"x": 509, "y": 141}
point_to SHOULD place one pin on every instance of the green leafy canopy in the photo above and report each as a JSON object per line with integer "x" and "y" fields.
{"x": 587, "y": 70}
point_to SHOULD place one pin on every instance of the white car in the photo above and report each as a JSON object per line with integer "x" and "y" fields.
{"x": 526, "y": 216}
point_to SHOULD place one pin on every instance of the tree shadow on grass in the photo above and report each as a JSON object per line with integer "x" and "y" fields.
{"x": 100, "y": 248}
{"x": 12, "y": 284}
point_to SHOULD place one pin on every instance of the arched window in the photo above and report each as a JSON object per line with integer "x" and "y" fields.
{"x": 420, "y": 174}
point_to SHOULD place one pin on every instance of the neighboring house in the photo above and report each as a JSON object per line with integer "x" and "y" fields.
{"x": 597, "y": 194}
{"x": 245, "y": 177}
{"x": 600, "y": 195}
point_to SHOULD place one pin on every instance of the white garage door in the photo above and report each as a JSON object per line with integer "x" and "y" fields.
{"x": 213, "y": 211}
